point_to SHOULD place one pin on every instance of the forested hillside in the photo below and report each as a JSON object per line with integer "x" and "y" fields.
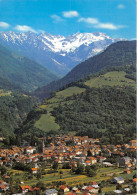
{"x": 6, "y": 85}
{"x": 22, "y": 71}
{"x": 16, "y": 75}
{"x": 118, "y": 54}
{"x": 14, "y": 107}
{"x": 107, "y": 112}
{"x": 100, "y": 105}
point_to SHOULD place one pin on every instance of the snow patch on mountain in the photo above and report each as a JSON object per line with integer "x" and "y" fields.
{"x": 56, "y": 62}
{"x": 71, "y": 43}
{"x": 57, "y": 53}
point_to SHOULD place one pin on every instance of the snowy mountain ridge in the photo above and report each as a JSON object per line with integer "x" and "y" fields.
{"x": 58, "y": 53}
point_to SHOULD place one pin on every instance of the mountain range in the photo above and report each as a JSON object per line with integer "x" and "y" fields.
{"x": 57, "y": 53}
{"x": 121, "y": 53}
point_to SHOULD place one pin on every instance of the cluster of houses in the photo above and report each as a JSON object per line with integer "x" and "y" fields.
{"x": 91, "y": 189}
{"x": 85, "y": 150}
{"x": 71, "y": 150}
{"x": 83, "y": 146}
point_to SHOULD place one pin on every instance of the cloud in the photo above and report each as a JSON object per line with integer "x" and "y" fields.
{"x": 135, "y": 38}
{"x": 24, "y": 28}
{"x": 95, "y": 23}
{"x": 57, "y": 18}
{"x": 4, "y": 25}
{"x": 109, "y": 26}
{"x": 70, "y": 14}
{"x": 120, "y": 6}
{"x": 89, "y": 20}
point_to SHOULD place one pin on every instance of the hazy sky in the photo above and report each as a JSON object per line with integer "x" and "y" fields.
{"x": 117, "y": 18}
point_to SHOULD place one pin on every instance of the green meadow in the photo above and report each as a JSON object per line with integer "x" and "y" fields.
{"x": 47, "y": 121}
{"x": 114, "y": 78}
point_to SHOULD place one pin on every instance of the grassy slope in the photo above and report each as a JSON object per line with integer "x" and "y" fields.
{"x": 61, "y": 95}
{"x": 112, "y": 79}
{"x": 47, "y": 121}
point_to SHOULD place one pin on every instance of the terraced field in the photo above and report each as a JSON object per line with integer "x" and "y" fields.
{"x": 79, "y": 179}
{"x": 61, "y": 95}
{"x": 5, "y": 93}
{"x": 73, "y": 180}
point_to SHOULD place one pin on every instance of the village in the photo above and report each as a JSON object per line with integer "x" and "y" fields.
{"x": 69, "y": 164}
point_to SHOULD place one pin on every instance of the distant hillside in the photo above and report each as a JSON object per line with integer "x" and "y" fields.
{"x": 118, "y": 54}
{"x": 23, "y": 72}
{"x": 14, "y": 107}
{"x": 14, "y": 103}
{"x": 100, "y": 105}
{"x": 6, "y": 85}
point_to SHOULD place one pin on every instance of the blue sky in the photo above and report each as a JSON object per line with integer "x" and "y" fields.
{"x": 117, "y": 18}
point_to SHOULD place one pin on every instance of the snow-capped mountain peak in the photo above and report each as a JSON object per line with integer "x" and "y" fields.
{"x": 57, "y": 52}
